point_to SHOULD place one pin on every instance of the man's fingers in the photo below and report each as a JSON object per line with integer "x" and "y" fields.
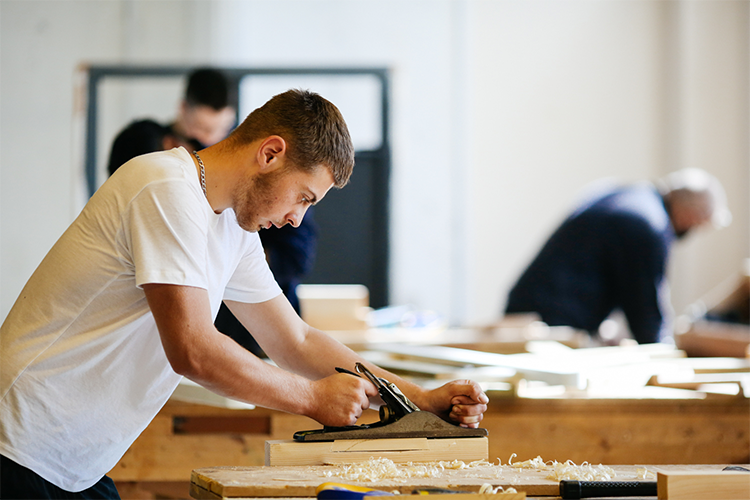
{"x": 466, "y": 420}
{"x": 371, "y": 390}
{"x": 467, "y": 400}
{"x": 466, "y": 392}
{"x": 468, "y": 413}
{"x": 472, "y": 390}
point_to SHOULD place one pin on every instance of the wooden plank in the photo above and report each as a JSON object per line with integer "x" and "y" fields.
{"x": 477, "y": 496}
{"x": 535, "y": 368}
{"x": 715, "y": 339}
{"x": 608, "y": 431}
{"x": 703, "y": 485}
{"x": 620, "y": 431}
{"x": 249, "y": 482}
{"x": 715, "y": 365}
{"x": 202, "y": 494}
{"x": 289, "y": 452}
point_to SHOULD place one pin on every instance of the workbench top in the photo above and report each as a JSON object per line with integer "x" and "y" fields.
{"x": 253, "y": 482}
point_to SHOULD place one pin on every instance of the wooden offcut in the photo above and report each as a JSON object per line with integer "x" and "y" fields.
{"x": 703, "y": 485}
{"x": 401, "y": 450}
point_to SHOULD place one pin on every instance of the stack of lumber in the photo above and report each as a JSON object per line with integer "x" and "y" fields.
{"x": 718, "y": 324}
{"x": 553, "y": 369}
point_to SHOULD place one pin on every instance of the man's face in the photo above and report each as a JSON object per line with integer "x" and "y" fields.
{"x": 688, "y": 217}
{"x": 279, "y": 197}
{"x": 205, "y": 124}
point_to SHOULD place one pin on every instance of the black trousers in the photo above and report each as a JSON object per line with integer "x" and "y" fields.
{"x": 19, "y": 483}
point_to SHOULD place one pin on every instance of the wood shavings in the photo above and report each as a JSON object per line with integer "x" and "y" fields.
{"x": 583, "y": 472}
{"x": 454, "y": 464}
{"x": 489, "y": 489}
{"x": 568, "y": 469}
{"x": 644, "y": 473}
{"x": 376, "y": 469}
{"x": 459, "y": 464}
{"x": 535, "y": 463}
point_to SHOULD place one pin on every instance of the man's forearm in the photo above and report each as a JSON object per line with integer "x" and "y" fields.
{"x": 324, "y": 353}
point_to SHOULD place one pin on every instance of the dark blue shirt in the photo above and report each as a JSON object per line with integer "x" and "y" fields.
{"x": 291, "y": 253}
{"x": 611, "y": 253}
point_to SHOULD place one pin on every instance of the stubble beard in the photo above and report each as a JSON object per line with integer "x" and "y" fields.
{"x": 250, "y": 200}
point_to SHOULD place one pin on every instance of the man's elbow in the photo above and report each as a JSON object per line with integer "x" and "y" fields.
{"x": 187, "y": 362}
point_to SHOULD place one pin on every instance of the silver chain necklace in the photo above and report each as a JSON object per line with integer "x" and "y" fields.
{"x": 203, "y": 173}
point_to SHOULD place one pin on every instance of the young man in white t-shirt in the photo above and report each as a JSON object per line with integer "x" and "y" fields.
{"x": 123, "y": 305}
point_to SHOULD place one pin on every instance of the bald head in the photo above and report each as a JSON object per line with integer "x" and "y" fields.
{"x": 694, "y": 198}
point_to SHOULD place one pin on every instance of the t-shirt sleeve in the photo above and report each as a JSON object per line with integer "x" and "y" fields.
{"x": 167, "y": 235}
{"x": 252, "y": 281}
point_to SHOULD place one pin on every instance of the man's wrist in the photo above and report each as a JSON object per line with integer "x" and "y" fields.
{"x": 419, "y": 396}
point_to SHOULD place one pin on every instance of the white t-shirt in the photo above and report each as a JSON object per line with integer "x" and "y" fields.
{"x": 82, "y": 367}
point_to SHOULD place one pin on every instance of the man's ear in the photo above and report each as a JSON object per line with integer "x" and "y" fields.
{"x": 271, "y": 153}
{"x": 182, "y": 109}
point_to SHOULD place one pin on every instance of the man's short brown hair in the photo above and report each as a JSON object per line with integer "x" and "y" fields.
{"x": 315, "y": 132}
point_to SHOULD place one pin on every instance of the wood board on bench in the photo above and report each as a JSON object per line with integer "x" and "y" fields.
{"x": 402, "y": 450}
{"x": 216, "y": 483}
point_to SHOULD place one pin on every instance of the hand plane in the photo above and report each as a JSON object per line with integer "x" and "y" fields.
{"x": 399, "y": 418}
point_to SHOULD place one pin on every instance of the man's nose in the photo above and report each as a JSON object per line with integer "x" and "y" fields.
{"x": 295, "y": 217}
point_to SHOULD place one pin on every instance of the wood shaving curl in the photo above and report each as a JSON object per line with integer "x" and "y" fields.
{"x": 459, "y": 464}
{"x": 534, "y": 463}
{"x": 376, "y": 469}
{"x": 644, "y": 473}
{"x": 489, "y": 489}
{"x": 567, "y": 470}
{"x": 583, "y": 472}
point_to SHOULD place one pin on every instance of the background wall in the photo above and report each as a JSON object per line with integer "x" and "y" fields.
{"x": 502, "y": 112}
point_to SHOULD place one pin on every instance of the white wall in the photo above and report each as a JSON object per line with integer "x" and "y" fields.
{"x": 502, "y": 111}
{"x": 567, "y": 92}
{"x": 416, "y": 44}
{"x": 712, "y": 133}
{"x": 42, "y": 45}
{"x": 564, "y": 93}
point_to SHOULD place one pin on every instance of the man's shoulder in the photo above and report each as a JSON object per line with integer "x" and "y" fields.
{"x": 629, "y": 213}
{"x": 154, "y": 168}
{"x": 171, "y": 163}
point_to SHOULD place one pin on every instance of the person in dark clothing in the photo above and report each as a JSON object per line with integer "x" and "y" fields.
{"x": 207, "y": 112}
{"x": 138, "y": 138}
{"x": 611, "y": 253}
{"x": 206, "y": 115}
{"x": 291, "y": 254}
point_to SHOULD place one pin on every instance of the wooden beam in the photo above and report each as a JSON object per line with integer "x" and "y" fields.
{"x": 345, "y": 451}
{"x": 708, "y": 485}
{"x": 531, "y": 367}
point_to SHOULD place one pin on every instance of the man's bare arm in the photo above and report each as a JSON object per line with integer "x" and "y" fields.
{"x": 198, "y": 351}
{"x": 297, "y": 347}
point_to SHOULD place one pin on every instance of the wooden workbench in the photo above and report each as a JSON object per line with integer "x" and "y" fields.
{"x": 228, "y": 483}
{"x": 610, "y": 425}
{"x": 185, "y": 436}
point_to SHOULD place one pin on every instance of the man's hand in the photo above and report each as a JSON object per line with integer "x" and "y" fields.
{"x": 340, "y": 399}
{"x": 461, "y": 401}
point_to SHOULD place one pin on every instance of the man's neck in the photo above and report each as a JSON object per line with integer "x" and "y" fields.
{"x": 224, "y": 170}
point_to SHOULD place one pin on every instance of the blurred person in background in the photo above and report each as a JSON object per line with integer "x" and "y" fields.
{"x": 611, "y": 254}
